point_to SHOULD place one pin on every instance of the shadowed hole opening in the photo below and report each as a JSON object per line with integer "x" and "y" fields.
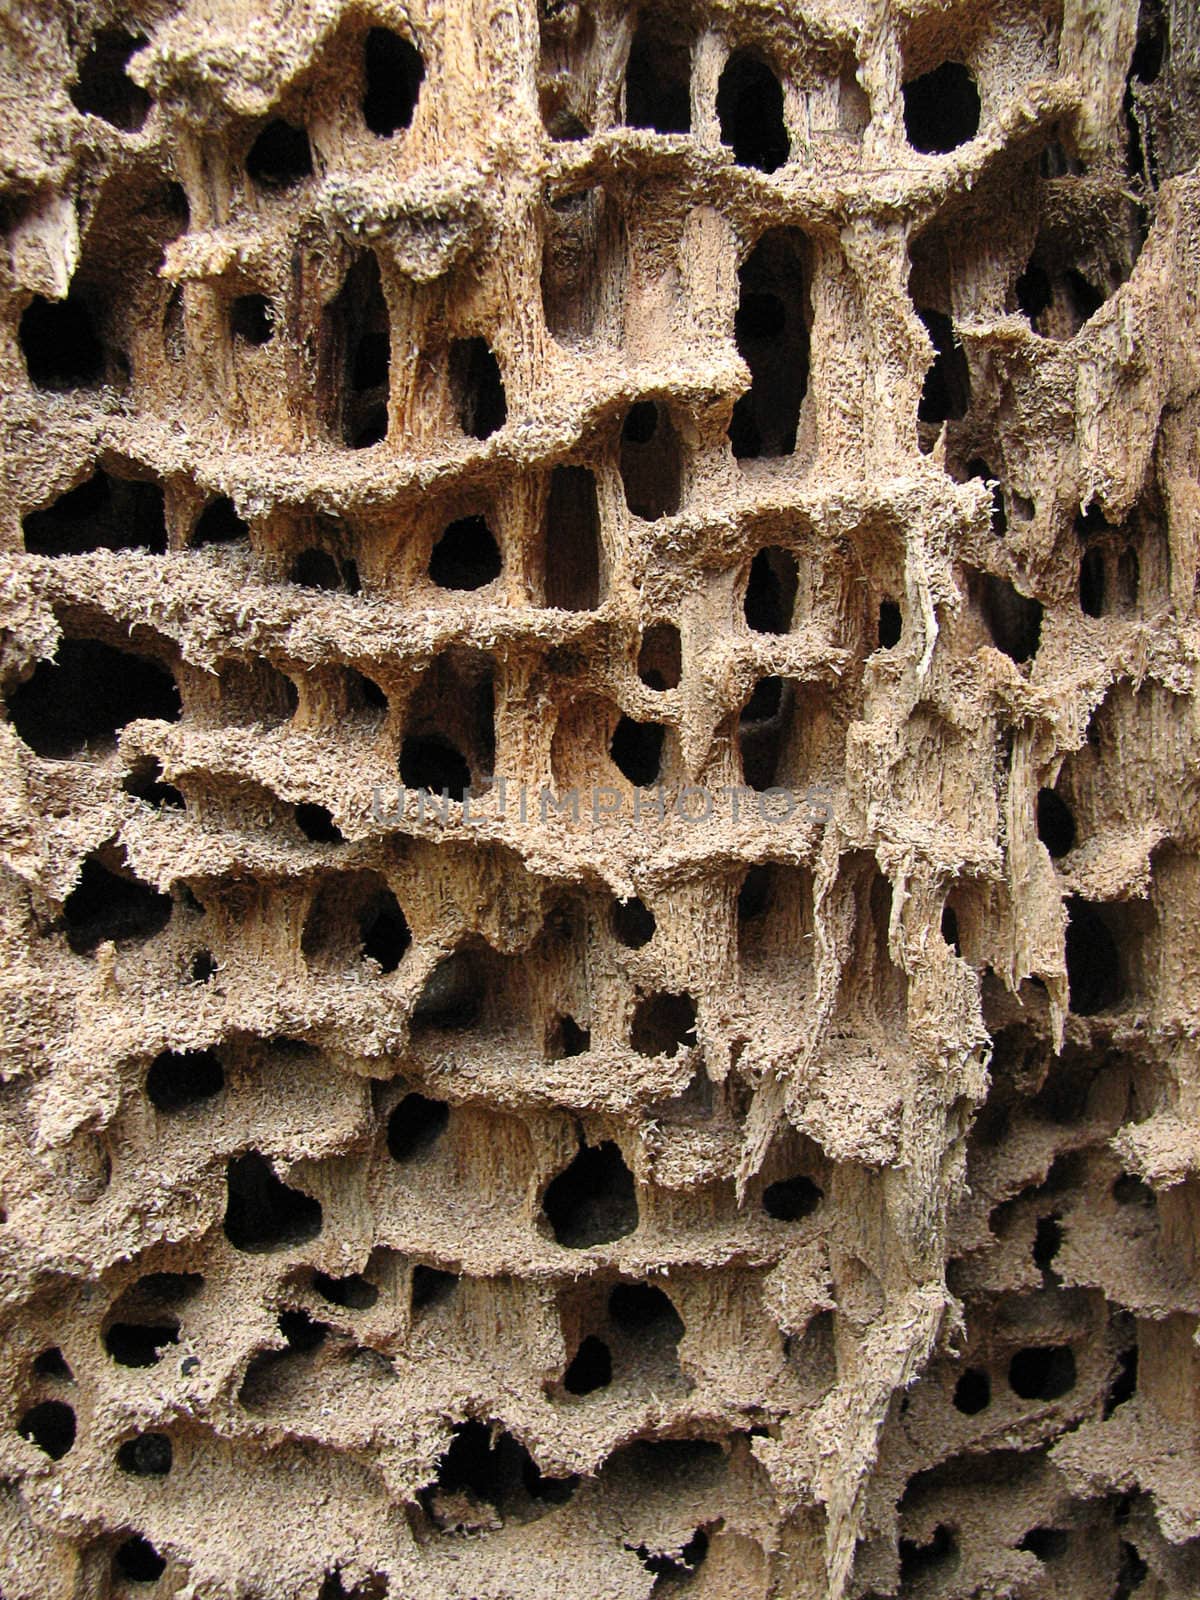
{"x": 771, "y": 331}
{"x": 149, "y": 1455}
{"x": 1055, "y": 824}
{"x": 356, "y": 349}
{"x": 1046, "y": 1543}
{"x": 762, "y": 727}
{"x": 1042, "y": 1372}
{"x": 431, "y": 762}
{"x": 771, "y": 591}
{"x": 1091, "y": 582}
{"x": 262, "y": 1213}
{"x": 302, "y": 1332}
{"x": 642, "y": 1310}
{"x": 109, "y": 905}
{"x": 590, "y": 1368}
{"x": 85, "y": 695}
{"x": 660, "y": 659}
{"x": 918, "y": 1559}
{"x": 489, "y": 1465}
{"x": 593, "y": 1200}
{"x": 252, "y": 319}
{"x": 946, "y": 389}
{"x": 145, "y": 782}
{"x": 105, "y": 513}
{"x": 565, "y": 1038}
{"x": 219, "y": 523}
{"x": 636, "y": 750}
{"x": 978, "y": 468}
{"x": 316, "y": 824}
{"x": 973, "y": 1392}
{"x": 393, "y": 72}
{"x": 385, "y": 931}
{"x": 140, "y": 1344}
{"x": 477, "y": 388}
{"x": 138, "y": 1560}
{"x": 317, "y": 569}
{"x": 104, "y": 88}
{"x": 1047, "y": 1241}
{"x": 792, "y": 1199}
{"x": 1123, "y": 1385}
{"x": 353, "y": 1292}
{"x": 415, "y": 1126}
{"x": 571, "y": 540}
{"x": 280, "y": 157}
{"x": 61, "y": 344}
{"x": 466, "y": 556}
{"x": 584, "y": 266}
{"x": 204, "y": 967}
{"x": 453, "y": 996}
{"x": 673, "y": 1571}
{"x": 431, "y": 1286}
{"x": 891, "y": 624}
{"x": 658, "y": 77}
{"x": 51, "y": 1426}
{"x": 1014, "y": 620}
{"x": 750, "y": 112}
{"x": 941, "y": 109}
{"x": 663, "y": 1024}
{"x": 651, "y": 461}
{"x": 1130, "y": 1190}
{"x": 1094, "y": 978}
{"x": 949, "y": 929}
{"x": 176, "y": 1081}
{"x": 633, "y": 923}
{"x": 51, "y": 1363}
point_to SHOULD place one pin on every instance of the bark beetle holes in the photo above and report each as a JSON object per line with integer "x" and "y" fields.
{"x": 663, "y": 1024}
{"x": 477, "y": 388}
{"x": 590, "y": 1367}
{"x": 280, "y": 157}
{"x": 252, "y": 319}
{"x": 385, "y": 934}
{"x": 485, "y": 1463}
{"x": 262, "y": 1213}
{"x": 415, "y": 1126}
{"x": 219, "y": 523}
{"x": 651, "y": 461}
{"x": 632, "y": 923}
{"x": 104, "y": 513}
{"x": 1094, "y": 977}
{"x": 762, "y": 726}
{"x": 771, "y": 591}
{"x": 592, "y": 1201}
{"x": 78, "y": 702}
{"x": 393, "y": 72}
{"x": 973, "y": 1392}
{"x": 658, "y": 76}
{"x": 1013, "y": 619}
{"x": 771, "y": 330}
{"x": 1055, "y": 824}
{"x": 946, "y": 389}
{"x": 176, "y": 1081}
{"x": 352, "y": 1293}
{"x": 61, "y": 344}
{"x": 466, "y": 556}
{"x": 354, "y": 367}
{"x": 571, "y": 540}
{"x": 140, "y": 1344}
{"x": 792, "y": 1199}
{"x": 941, "y": 109}
{"x": 148, "y": 1455}
{"x": 660, "y": 659}
{"x": 316, "y": 823}
{"x": 1042, "y": 1372}
{"x": 636, "y": 749}
{"x": 111, "y": 904}
{"x": 750, "y": 112}
{"x": 51, "y": 1426}
{"x": 138, "y": 1561}
{"x": 104, "y": 88}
